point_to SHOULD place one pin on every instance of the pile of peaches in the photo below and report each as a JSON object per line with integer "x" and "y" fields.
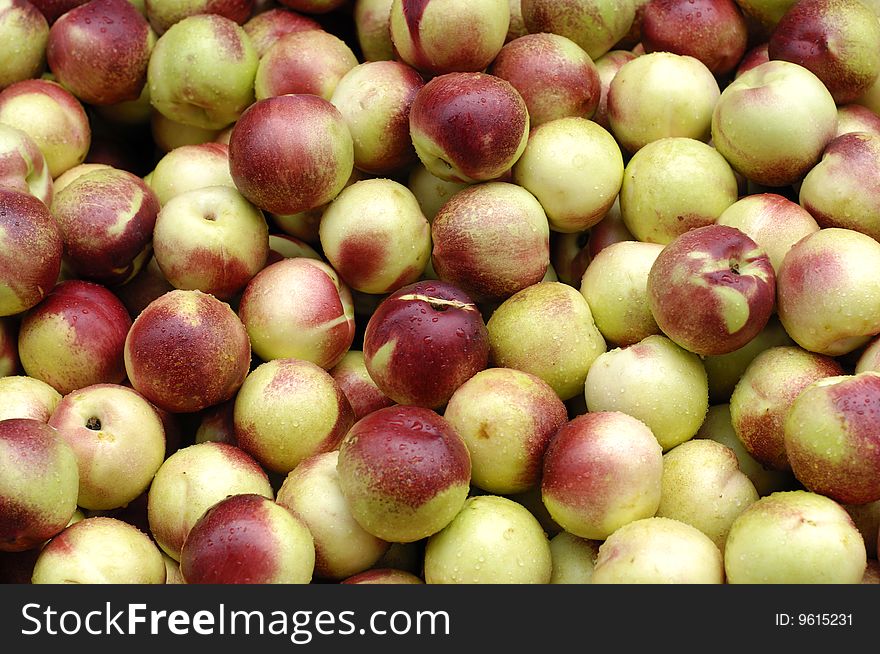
{"x": 439, "y": 291}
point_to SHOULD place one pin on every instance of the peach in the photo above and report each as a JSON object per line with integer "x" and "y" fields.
{"x": 547, "y": 330}
{"x": 491, "y": 240}
{"x": 30, "y": 259}
{"x": 423, "y": 342}
{"x": 53, "y": 9}
{"x": 192, "y": 480}
{"x": 248, "y": 539}
{"x": 375, "y": 236}
{"x": 372, "y": 22}
{"x": 288, "y": 410}
{"x": 189, "y": 167}
{"x": 107, "y": 218}
{"x": 468, "y": 127}
{"x": 100, "y": 550}
{"x": 766, "y": 13}
{"x": 52, "y": 117}
{"x": 559, "y": 156}
{"x": 573, "y": 559}
{"x": 26, "y": 397}
{"x": 23, "y": 24}
{"x": 660, "y": 95}
{"x": 75, "y": 337}
{"x": 67, "y": 177}
{"x": 404, "y": 472}
{"x": 282, "y": 246}
{"x": 291, "y": 153}
{"x": 570, "y": 255}
{"x": 831, "y": 437}
{"x": 217, "y": 424}
{"x": 148, "y": 285}
{"x": 869, "y": 359}
{"x": 492, "y": 540}
{"x": 375, "y": 98}
{"x": 856, "y": 118}
{"x": 794, "y": 537}
{"x": 774, "y": 222}
{"x": 171, "y": 134}
{"x": 311, "y": 491}
{"x": 797, "y": 114}
{"x": 383, "y": 576}
{"x": 298, "y": 308}
{"x": 22, "y": 166}
{"x": 753, "y": 58}
{"x": 607, "y": 66}
{"x": 162, "y": 14}
{"x": 445, "y": 36}
{"x": 572, "y": 90}
{"x": 611, "y": 229}
{"x": 506, "y": 418}
{"x": 310, "y": 61}
{"x": 187, "y": 351}
{"x": 265, "y": 28}
{"x": 602, "y": 470}
{"x": 9, "y": 361}
{"x": 595, "y": 25}
{"x": 651, "y": 203}
{"x": 100, "y": 50}
{"x": 38, "y": 484}
{"x": 815, "y": 285}
{"x": 431, "y": 191}
{"x": 764, "y": 395}
{"x": 358, "y": 387}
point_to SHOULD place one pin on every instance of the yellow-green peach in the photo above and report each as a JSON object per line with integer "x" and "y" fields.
{"x": 118, "y": 440}
{"x": 187, "y": 351}
{"x": 506, "y": 418}
{"x": 375, "y": 236}
{"x": 615, "y": 286}
{"x": 311, "y": 61}
{"x": 202, "y": 71}
{"x": 372, "y": 22}
{"x": 764, "y": 395}
{"x": 75, "y": 337}
{"x": 468, "y": 127}
{"x": 352, "y": 377}
{"x": 866, "y": 518}
{"x": 651, "y": 202}
{"x": 607, "y": 66}
{"x": 311, "y": 492}
{"x": 572, "y": 90}
{"x": 100, "y": 50}
{"x": 491, "y": 240}
{"x": 67, "y": 177}
{"x": 288, "y": 410}
{"x": 383, "y": 576}
{"x": 192, "y": 480}
{"x": 660, "y": 95}
{"x": 493, "y": 540}
{"x": 52, "y": 117}
{"x": 100, "y": 550}
{"x": 374, "y": 98}
{"x": 24, "y": 25}
{"x": 162, "y": 14}
{"x": 559, "y": 157}
{"x": 547, "y": 330}
{"x": 248, "y": 539}
{"x": 9, "y": 361}
{"x": 107, "y": 217}
{"x": 172, "y": 570}
{"x": 774, "y": 222}
{"x": 841, "y": 190}
{"x": 767, "y": 13}
{"x": 602, "y": 470}
{"x": 128, "y": 113}
{"x": 148, "y": 285}
{"x": 22, "y": 166}
{"x": 282, "y": 246}
{"x": 445, "y": 36}
{"x": 38, "y": 484}
{"x": 424, "y": 341}
{"x": 718, "y": 427}
{"x": 827, "y": 303}
{"x": 725, "y": 370}
{"x": 298, "y": 308}
{"x": 797, "y": 114}
{"x": 217, "y": 424}
{"x": 831, "y": 437}
{"x": 856, "y": 118}
{"x": 26, "y": 397}
{"x": 170, "y": 134}
{"x": 267, "y": 27}
{"x": 721, "y": 280}
{"x": 848, "y": 61}
{"x": 404, "y": 472}
{"x": 595, "y": 25}
{"x": 30, "y": 251}
{"x": 655, "y": 381}
{"x": 704, "y": 487}
{"x": 431, "y": 192}
{"x": 211, "y": 239}
{"x": 291, "y": 153}
{"x": 794, "y": 537}
{"x": 869, "y": 359}
{"x": 573, "y": 559}
{"x": 189, "y": 167}
{"x": 658, "y": 551}
{"x": 717, "y": 31}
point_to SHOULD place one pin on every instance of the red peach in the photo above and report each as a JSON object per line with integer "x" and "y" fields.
{"x": 607, "y": 66}
{"x": 267, "y": 27}
{"x": 217, "y": 424}
{"x": 22, "y": 166}
{"x": 163, "y": 14}
{"x": 595, "y": 25}
{"x": 856, "y": 118}
{"x": 355, "y": 382}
